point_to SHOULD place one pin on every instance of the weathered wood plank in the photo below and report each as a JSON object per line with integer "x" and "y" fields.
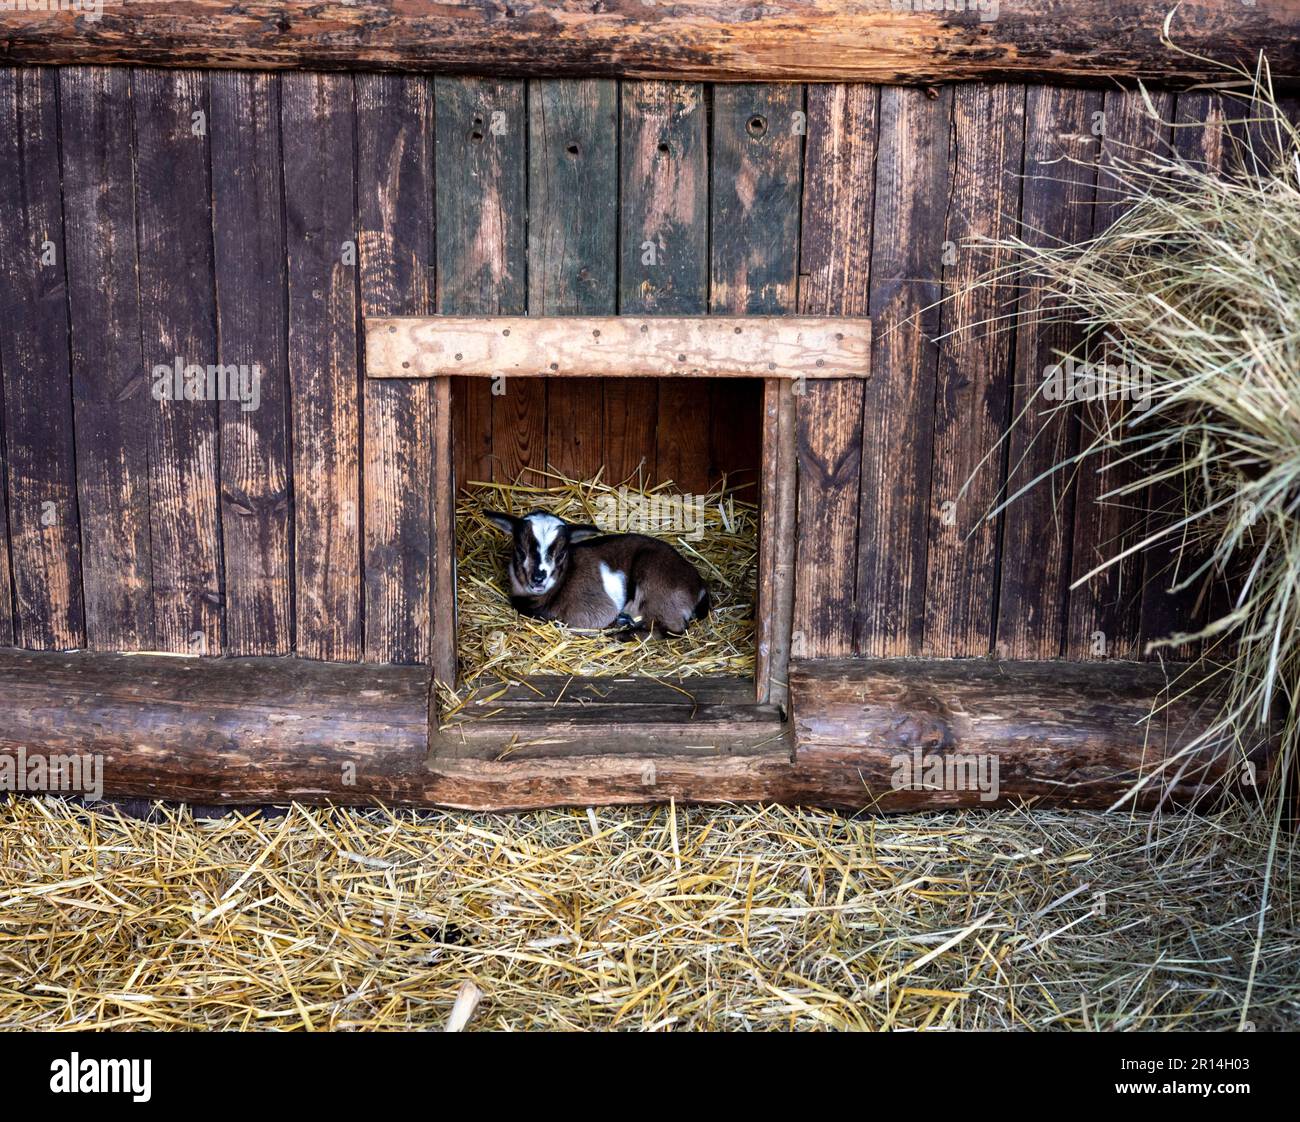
{"x": 316, "y": 115}
{"x": 1201, "y": 137}
{"x": 628, "y": 346}
{"x": 1105, "y": 613}
{"x": 482, "y": 246}
{"x": 783, "y": 40}
{"x": 663, "y": 271}
{"x": 911, "y": 199}
{"x": 43, "y": 531}
{"x": 754, "y": 268}
{"x": 973, "y": 396}
{"x": 252, "y": 331}
{"x": 572, "y": 245}
{"x": 1057, "y": 196}
{"x": 270, "y": 730}
{"x": 395, "y": 218}
{"x": 6, "y": 580}
{"x": 1065, "y": 732}
{"x": 110, "y": 383}
{"x": 177, "y": 327}
{"x": 839, "y": 186}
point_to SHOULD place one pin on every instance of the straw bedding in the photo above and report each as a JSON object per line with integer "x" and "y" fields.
{"x": 495, "y": 643}
{"x": 730, "y": 918}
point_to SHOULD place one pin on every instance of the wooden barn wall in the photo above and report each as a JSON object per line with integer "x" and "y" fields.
{"x": 227, "y": 217}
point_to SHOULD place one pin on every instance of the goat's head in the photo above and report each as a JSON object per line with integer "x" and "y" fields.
{"x": 540, "y": 561}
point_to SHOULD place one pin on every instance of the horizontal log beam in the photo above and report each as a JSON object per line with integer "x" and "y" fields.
{"x": 618, "y": 347}
{"x": 896, "y": 41}
{"x": 254, "y": 731}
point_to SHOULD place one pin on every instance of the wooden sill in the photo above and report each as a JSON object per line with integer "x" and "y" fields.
{"x": 552, "y": 717}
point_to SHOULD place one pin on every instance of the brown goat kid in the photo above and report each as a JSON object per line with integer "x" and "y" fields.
{"x": 583, "y": 577}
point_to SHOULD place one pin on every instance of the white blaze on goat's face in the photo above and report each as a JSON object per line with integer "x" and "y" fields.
{"x": 545, "y": 531}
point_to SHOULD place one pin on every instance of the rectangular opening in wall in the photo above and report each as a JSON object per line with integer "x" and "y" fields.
{"x": 675, "y": 460}
{"x": 555, "y": 439}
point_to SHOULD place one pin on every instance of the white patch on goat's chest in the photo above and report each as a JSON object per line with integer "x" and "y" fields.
{"x": 615, "y": 585}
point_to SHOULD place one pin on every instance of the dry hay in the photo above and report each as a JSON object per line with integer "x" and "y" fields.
{"x": 638, "y": 918}
{"x": 496, "y": 644}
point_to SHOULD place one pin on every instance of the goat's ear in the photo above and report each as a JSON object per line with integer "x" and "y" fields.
{"x": 581, "y": 533}
{"x": 504, "y": 522}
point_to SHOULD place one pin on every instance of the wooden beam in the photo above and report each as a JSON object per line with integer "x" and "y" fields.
{"x": 1074, "y": 733}
{"x": 254, "y": 731}
{"x": 618, "y": 347}
{"x": 782, "y": 40}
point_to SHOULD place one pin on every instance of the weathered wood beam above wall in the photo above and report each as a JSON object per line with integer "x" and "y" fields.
{"x": 895, "y": 41}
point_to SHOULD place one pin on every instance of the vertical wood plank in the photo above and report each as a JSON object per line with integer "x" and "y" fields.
{"x": 177, "y": 322}
{"x": 481, "y": 127}
{"x": 839, "y": 186}
{"x": 249, "y": 257}
{"x": 753, "y": 264}
{"x": 1200, "y": 136}
{"x": 395, "y": 218}
{"x": 1057, "y": 196}
{"x": 6, "y": 581}
{"x": 911, "y": 200}
{"x": 317, "y": 126}
{"x": 664, "y": 270}
{"x": 1105, "y": 613}
{"x": 43, "y": 521}
{"x": 973, "y": 371}
{"x": 572, "y": 243}
{"x": 756, "y": 187}
{"x": 110, "y": 383}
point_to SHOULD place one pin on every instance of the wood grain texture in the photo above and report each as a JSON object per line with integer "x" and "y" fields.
{"x": 813, "y": 40}
{"x": 395, "y": 219}
{"x": 755, "y": 168}
{"x": 835, "y": 247}
{"x": 1057, "y": 195}
{"x": 269, "y": 730}
{"x": 1105, "y": 612}
{"x": 624, "y": 346}
{"x": 44, "y": 539}
{"x": 6, "y": 579}
{"x": 1073, "y": 734}
{"x": 972, "y": 394}
{"x": 249, "y": 259}
{"x": 911, "y": 200}
{"x": 110, "y": 383}
{"x": 1171, "y": 605}
{"x": 178, "y": 324}
{"x": 663, "y": 270}
{"x": 318, "y": 134}
{"x": 572, "y": 244}
{"x": 482, "y": 248}
{"x": 753, "y": 267}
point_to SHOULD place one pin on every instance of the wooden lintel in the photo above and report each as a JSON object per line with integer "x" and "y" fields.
{"x": 618, "y": 346}
{"x": 896, "y": 41}
{"x": 252, "y": 731}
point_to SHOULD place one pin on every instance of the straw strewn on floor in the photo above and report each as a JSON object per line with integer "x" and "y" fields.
{"x": 731, "y": 918}
{"x": 495, "y": 643}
